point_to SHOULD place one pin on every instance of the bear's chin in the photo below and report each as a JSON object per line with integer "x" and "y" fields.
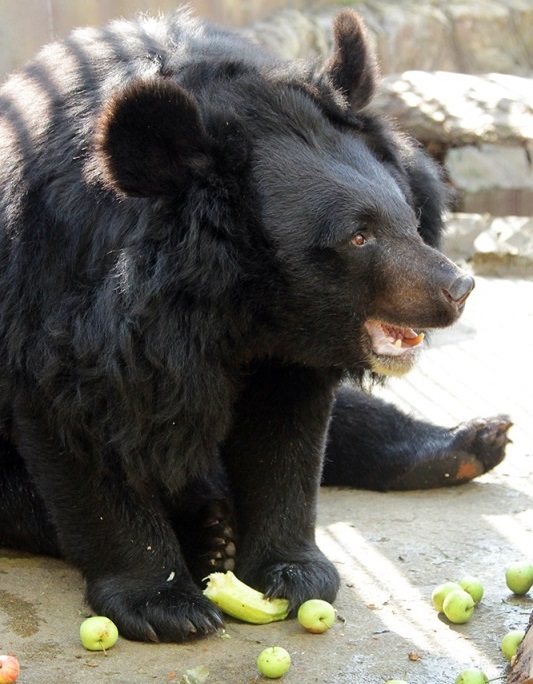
{"x": 391, "y": 349}
{"x": 393, "y": 365}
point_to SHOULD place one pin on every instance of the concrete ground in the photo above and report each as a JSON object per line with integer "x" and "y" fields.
{"x": 391, "y": 549}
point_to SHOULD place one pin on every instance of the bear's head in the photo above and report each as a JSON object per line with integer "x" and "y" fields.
{"x": 350, "y": 210}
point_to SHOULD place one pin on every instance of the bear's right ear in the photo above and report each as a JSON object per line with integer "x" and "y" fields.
{"x": 150, "y": 138}
{"x": 352, "y": 67}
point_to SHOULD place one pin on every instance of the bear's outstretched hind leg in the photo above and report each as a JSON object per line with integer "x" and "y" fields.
{"x": 466, "y": 452}
{"x": 373, "y": 445}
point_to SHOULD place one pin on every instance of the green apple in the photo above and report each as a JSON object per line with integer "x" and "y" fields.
{"x": 471, "y": 676}
{"x": 273, "y": 662}
{"x": 441, "y": 591}
{"x": 458, "y": 606}
{"x": 519, "y": 577}
{"x": 316, "y": 616}
{"x": 511, "y": 641}
{"x": 472, "y": 586}
{"x": 98, "y": 633}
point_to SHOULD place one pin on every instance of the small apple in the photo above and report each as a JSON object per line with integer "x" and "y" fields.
{"x": 273, "y": 662}
{"x": 471, "y": 676}
{"x": 473, "y": 587}
{"x": 316, "y": 616}
{"x": 98, "y": 633}
{"x": 441, "y": 591}
{"x": 511, "y": 641}
{"x": 9, "y": 669}
{"x": 458, "y": 606}
{"x": 519, "y": 577}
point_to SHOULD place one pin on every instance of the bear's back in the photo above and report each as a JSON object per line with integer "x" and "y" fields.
{"x": 49, "y": 107}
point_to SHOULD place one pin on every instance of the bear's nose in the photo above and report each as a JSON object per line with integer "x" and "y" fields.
{"x": 459, "y": 290}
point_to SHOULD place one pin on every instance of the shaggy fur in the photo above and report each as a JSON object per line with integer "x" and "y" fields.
{"x": 193, "y": 236}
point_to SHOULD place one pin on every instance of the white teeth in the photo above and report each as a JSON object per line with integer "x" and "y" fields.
{"x": 392, "y": 340}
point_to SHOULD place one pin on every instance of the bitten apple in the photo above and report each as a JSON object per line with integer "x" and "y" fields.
{"x": 316, "y": 615}
{"x": 9, "y": 669}
{"x": 98, "y": 633}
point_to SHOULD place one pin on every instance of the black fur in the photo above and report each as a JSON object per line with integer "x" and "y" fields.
{"x": 193, "y": 236}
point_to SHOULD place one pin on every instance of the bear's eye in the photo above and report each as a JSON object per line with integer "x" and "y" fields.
{"x": 358, "y": 240}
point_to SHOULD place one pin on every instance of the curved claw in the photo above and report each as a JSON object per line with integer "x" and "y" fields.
{"x": 169, "y": 612}
{"x": 151, "y": 634}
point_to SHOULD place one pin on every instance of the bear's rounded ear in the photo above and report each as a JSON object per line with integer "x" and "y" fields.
{"x": 352, "y": 67}
{"x": 150, "y": 139}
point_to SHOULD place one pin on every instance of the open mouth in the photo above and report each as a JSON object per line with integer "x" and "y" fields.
{"x": 392, "y": 340}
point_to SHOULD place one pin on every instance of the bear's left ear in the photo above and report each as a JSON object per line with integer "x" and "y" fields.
{"x": 352, "y": 67}
{"x": 150, "y": 139}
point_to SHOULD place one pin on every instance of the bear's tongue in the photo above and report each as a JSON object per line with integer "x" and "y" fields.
{"x": 391, "y": 340}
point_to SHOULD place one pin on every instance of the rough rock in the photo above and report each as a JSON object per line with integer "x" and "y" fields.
{"x": 460, "y": 109}
{"x": 294, "y": 35}
{"x": 479, "y": 127}
{"x": 492, "y": 178}
{"x": 494, "y": 246}
{"x": 466, "y": 36}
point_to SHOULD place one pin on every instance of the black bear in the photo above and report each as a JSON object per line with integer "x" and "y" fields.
{"x": 198, "y": 244}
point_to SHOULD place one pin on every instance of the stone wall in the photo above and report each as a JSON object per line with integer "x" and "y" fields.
{"x": 464, "y": 36}
{"x": 481, "y": 129}
{"x": 457, "y": 76}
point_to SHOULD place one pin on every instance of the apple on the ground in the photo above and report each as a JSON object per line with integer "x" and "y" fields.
{"x": 519, "y": 577}
{"x": 316, "y": 615}
{"x": 98, "y": 633}
{"x": 511, "y": 641}
{"x": 458, "y": 606}
{"x": 441, "y": 591}
{"x": 9, "y": 669}
{"x": 273, "y": 662}
{"x": 473, "y": 586}
{"x": 472, "y": 676}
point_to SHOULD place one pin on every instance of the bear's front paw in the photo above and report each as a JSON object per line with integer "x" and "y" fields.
{"x": 299, "y": 580}
{"x": 171, "y": 611}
